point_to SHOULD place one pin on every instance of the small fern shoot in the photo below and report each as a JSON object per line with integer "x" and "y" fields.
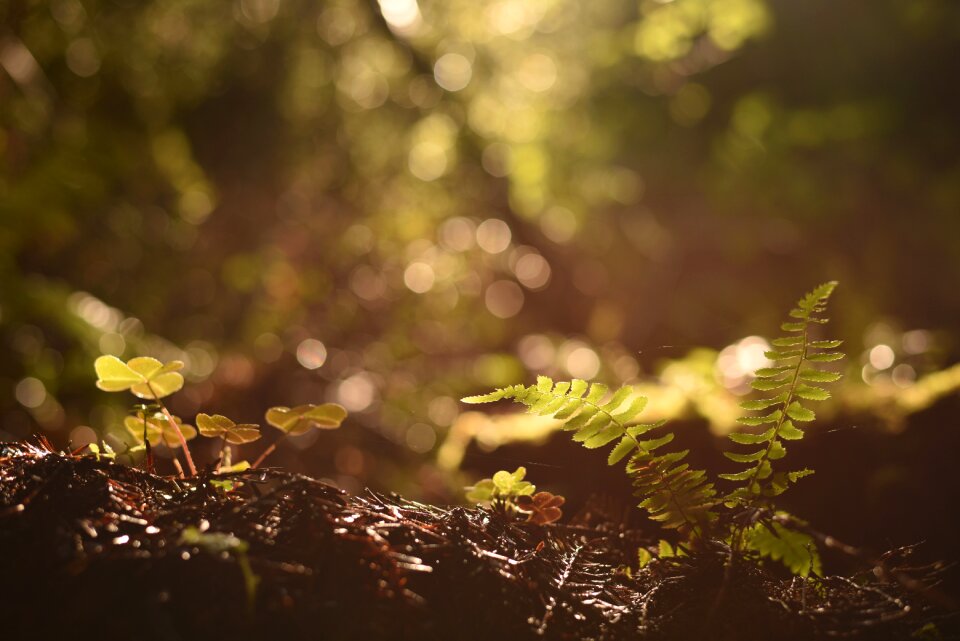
{"x": 673, "y": 494}
{"x": 793, "y": 380}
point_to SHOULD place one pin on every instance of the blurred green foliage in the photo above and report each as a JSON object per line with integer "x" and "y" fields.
{"x": 391, "y": 204}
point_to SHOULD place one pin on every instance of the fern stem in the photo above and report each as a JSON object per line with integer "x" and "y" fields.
{"x": 751, "y": 504}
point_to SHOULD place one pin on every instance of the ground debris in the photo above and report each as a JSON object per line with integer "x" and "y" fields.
{"x": 88, "y": 545}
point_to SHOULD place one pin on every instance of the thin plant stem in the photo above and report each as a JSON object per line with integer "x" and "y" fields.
{"x": 267, "y": 452}
{"x": 173, "y": 423}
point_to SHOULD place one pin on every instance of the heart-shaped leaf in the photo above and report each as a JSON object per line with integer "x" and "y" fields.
{"x": 300, "y": 419}
{"x": 159, "y": 429}
{"x": 543, "y": 507}
{"x": 144, "y": 376}
{"x": 219, "y": 426}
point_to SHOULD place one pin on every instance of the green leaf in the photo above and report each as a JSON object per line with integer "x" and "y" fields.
{"x": 643, "y": 428}
{"x": 745, "y": 458}
{"x": 778, "y": 355}
{"x": 793, "y": 327}
{"x": 636, "y": 406}
{"x": 570, "y": 407}
{"x": 114, "y": 375}
{"x": 587, "y": 413}
{"x": 654, "y": 443}
{"x": 159, "y": 429}
{"x": 598, "y": 422}
{"x": 763, "y": 403}
{"x": 618, "y": 398}
{"x": 503, "y": 481}
{"x": 597, "y": 391}
{"x": 766, "y": 384}
{"x": 145, "y": 377}
{"x": 796, "y": 550}
{"x": 239, "y": 466}
{"x": 818, "y": 376}
{"x": 770, "y": 372}
{"x": 544, "y": 384}
{"x": 481, "y": 492}
{"x": 754, "y": 421}
{"x": 745, "y": 438}
{"x": 799, "y": 413}
{"x": 787, "y": 341}
{"x": 789, "y": 432}
{"x": 739, "y": 476}
{"x": 301, "y": 419}
{"x": 624, "y": 447}
{"x": 145, "y": 366}
{"x": 812, "y": 393}
{"x": 577, "y": 388}
{"x": 826, "y": 344}
{"x": 777, "y": 451}
{"x": 482, "y": 398}
{"x": 610, "y": 433}
{"x": 826, "y": 357}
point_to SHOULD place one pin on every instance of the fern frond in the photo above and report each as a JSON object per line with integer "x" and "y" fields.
{"x": 673, "y": 494}
{"x": 793, "y": 376}
{"x": 796, "y": 550}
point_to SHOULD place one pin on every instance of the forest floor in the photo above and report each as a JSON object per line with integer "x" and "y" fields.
{"x": 89, "y": 547}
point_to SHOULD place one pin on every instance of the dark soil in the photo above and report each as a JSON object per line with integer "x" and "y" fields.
{"x": 90, "y": 549}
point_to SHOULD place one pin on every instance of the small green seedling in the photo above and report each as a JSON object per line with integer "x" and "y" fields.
{"x": 152, "y": 424}
{"x": 508, "y": 492}
{"x": 219, "y": 426}
{"x": 105, "y": 452}
{"x": 158, "y": 429}
{"x": 503, "y": 490}
{"x": 145, "y": 378}
{"x": 301, "y": 419}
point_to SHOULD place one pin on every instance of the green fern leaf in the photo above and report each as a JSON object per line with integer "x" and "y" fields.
{"x": 745, "y": 438}
{"x": 826, "y": 344}
{"x": 597, "y": 391}
{"x": 764, "y": 403}
{"x": 788, "y": 431}
{"x": 799, "y": 413}
{"x": 794, "y": 549}
{"x": 818, "y": 376}
{"x": 604, "y": 436}
{"x": 624, "y": 447}
{"x": 745, "y": 458}
{"x": 787, "y": 370}
{"x": 825, "y": 357}
{"x": 811, "y": 393}
{"x": 739, "y": 476}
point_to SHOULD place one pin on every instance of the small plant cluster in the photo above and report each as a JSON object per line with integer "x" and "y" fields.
{"x": 508, "y": 492}
{"x": 151, "y": 423}
{"x": 673, "y": 494}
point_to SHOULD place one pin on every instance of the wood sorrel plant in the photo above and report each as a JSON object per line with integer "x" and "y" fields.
{"x": 152, "y": 423}
{"x": 683, "y": 499}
